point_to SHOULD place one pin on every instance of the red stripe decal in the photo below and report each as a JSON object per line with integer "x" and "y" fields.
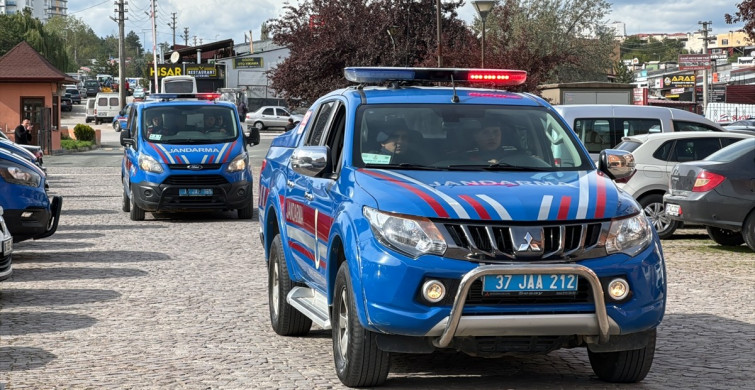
{"x": 477, "y": 206}
{"x": 304, "y": 251}
{"x": 563, "y": 209}
{"x": 324, "y": 222}
{"x": 159, "y": 152}
{"x": 212, "y": 158}
{"x": 228, "y": 152}
{"x": 429, "y": 200}
{"x": 600, "y": 205}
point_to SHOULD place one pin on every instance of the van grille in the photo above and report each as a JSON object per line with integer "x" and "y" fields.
{"x": 196, "y": 180}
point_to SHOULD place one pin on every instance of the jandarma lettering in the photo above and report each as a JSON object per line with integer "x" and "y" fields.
{"x": 504, "y": 183}
{"x": 192, "y": 150}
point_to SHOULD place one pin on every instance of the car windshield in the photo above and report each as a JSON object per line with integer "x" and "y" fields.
{"x": 189, "y": 124}
{"x": 464, "y": 137}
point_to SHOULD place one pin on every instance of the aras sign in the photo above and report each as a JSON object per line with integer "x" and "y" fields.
{"x": 679, "y": 81}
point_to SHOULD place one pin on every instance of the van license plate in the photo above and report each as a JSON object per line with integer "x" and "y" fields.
{"x": 7, "y": 247}
{"x": 527, "y": 282}
{"x": 673, "y": 209}
{"x": 195, "y": 192}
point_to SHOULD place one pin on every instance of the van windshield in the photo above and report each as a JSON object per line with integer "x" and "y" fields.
{"x": 189, "y": 125}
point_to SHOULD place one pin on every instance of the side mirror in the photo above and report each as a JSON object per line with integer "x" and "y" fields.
{"x": 126, "y": 138}
{"x": 254, "y": 136}
{"x": 617, "y": 164}
{"x": 310, "y": 160}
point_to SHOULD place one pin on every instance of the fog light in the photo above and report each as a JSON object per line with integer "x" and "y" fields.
{"x": 241, "y": 192}
{"x": 26, "y": 214}
{"x": 433, "y": 291}
{"x": 147, "y": 193}
{"x": 618, "y": 289}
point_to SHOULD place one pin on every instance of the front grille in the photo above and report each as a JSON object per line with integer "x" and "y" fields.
{"x": 196, "y": 180}
{"x": 527, "y": 243}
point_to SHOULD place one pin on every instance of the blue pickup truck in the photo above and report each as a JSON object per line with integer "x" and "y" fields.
{"x": 185, "y": 152}
{"x": 411, "y": 218}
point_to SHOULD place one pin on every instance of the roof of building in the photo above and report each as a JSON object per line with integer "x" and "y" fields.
{"x": 23, "y": 63}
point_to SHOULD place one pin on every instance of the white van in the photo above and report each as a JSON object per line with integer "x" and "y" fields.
{"x": 90, "y": 110}
{"x": 106, "y": 107}
{"x": 602, "y": 126}
{"x": 178, "y": 84}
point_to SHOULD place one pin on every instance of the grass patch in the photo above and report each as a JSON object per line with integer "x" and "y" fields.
{"x": 74, "y": 144}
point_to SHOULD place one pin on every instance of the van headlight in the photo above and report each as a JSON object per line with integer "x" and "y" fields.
{"x": 238, "y": 163}
{"x": 149, "y": 164}
{"x": 413, "y": 236}
{"x": 629, "y": 235}
{"x": 19, "y": 174}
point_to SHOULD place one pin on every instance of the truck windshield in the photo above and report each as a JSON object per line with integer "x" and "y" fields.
{"x": 464, "y": 137}
{"x": 189, "y": 125}
{"x": 178, "y": 86}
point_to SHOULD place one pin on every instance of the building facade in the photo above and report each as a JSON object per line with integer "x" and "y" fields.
{"x": 40, "y": 9}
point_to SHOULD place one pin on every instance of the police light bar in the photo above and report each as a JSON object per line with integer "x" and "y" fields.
{"x": 172, "y": 96}
{"x": 382, "y": 74}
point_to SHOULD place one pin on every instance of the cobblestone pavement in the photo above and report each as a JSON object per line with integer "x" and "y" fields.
{"x": 181, "y": 303}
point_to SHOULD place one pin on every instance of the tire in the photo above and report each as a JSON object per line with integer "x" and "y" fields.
{"x": 358, "y": 360}
{"x": 749, "y": 230}
{"x": 246, "y": 212}
{"x": 126, "y": 202}
{"x": 136, "y": 212}
{"x": 284, "y": 318}
{"x": 623, "y": 366}
{"x": 725, "y": 237}
{"x": 259, "y": 125}
{"x": 652, "y": 206}
{"x": 116, "y": 125}
{"x": 87, "y": 120}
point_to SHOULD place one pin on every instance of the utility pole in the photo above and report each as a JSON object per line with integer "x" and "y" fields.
{"x": 186, "y": 36}
{"x": 195, "y": 40}
{"x": 172, "y": 25}
{"x": 120, "y": 11}
{"x": 705, "y": 31}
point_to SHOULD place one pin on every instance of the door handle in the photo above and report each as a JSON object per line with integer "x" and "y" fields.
{"x": 289, "y": 183}
{"x": 308, "y": 196}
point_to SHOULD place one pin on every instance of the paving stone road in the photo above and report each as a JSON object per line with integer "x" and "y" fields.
{"x": 181, "y": 303}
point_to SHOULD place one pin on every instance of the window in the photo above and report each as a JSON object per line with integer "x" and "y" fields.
{"x": 321, "y": 122}
{"x": 692, "y": 126}
{"x": 594, "y": 133}
{"x": 663, "y": 152}
{"x": 114, "y": 101}
{"x": 694, "y": 149}
{"x": 269, "y": 111}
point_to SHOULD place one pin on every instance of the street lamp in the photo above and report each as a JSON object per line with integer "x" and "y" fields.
{"x": 483, "y": 8}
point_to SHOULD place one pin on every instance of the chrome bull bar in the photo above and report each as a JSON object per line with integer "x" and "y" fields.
{"x": 466, "y": 282}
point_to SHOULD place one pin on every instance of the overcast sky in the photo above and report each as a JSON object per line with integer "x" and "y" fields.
{"x": 211, "y": 20}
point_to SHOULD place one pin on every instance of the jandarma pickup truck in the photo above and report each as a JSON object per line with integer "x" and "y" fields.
{"x": 411, "y": 218}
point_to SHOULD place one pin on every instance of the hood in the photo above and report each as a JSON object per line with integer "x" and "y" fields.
{"x": 195, "y": 154}
{"x": 497, "y": 196}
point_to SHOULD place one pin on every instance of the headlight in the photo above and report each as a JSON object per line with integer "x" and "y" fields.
{"x": 238, "y": 163}
{"x": 149, "y": 164}
{"x": 629, "y": 235}
{"x": 18, "y": 174}
{"x": 413, "y": 236}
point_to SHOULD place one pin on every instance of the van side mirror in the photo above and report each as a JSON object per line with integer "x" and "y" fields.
{"x": 254, "y": 136}
{"x": 126, "y": 138}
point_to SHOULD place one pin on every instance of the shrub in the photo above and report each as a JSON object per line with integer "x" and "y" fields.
{"x": 84, "y": 132}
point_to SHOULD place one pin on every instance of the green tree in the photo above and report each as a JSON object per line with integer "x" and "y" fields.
{"x": 623, "y": 74}
{"x": 745, "y": 13}
{"x": 21, "y": 26}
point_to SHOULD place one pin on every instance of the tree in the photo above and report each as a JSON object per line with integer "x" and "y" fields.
{"x": 746, "y": 14}
{"x": 623, "y": 74}
{"x": 324, "y": 36}
{"x": 21, "y": 26}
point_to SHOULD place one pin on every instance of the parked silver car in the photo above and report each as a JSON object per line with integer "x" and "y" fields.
{"x": 655, "y": 155}
{"x": 271, "y": 116}
{"x": 6, "y": 249}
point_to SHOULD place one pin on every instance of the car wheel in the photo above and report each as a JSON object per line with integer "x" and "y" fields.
{"x": 259, "y": 125}
{"x": 126, "y": 202}
{"x": 725, "y": 237}
{"x": 652, "y": 206}
{"x": 285, "y": 319}
{"x": 358, "y": 360}
{"x": 137, "y": 213}
{"x": 623, "y": 366}
{"x": 749, "y": 230}
{"x": 87, "y": 120}
{"x": 116, "y": 125}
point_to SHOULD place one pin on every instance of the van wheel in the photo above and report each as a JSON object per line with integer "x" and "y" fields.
{"x": 652, "y": 206}
{"x": 246, "y": 212}
{"x": 137, "y": 213}
{"x": 126, "y": 202}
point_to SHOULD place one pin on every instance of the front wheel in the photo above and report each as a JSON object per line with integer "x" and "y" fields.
{"x": 623, "y": 366}
{"x": 359, "y": 362}
{"x": 652, "y": 206}
{"x": 137, "y": 213}
{"x": 284, "y": 318}
{"x": 259, "y": 125}
{"x": 125, "y": 202}
{"x": 725, "y": 237}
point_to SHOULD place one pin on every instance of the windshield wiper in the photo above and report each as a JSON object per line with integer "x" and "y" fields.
{"x": 494, "y": 167}
{"x": 403, "y": 166}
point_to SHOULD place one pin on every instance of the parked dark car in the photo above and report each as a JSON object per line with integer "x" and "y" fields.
{"x": 92, "y": 87}
{"x": 75, "y": 95}
{"x": 66, "y": 103}
{"x": 717, "y": 192}
{"x": 744, "y": 124}
{"x": 35, "y": 151}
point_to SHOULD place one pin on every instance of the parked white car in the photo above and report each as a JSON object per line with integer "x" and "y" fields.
{"x": 271, "y": 116}
{"x": 655, "y": 155}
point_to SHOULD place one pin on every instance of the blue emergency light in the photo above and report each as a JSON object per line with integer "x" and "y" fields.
{"x": 367, "y": 75}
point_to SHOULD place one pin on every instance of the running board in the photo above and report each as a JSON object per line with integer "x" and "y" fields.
{"x": 312, "y": 304}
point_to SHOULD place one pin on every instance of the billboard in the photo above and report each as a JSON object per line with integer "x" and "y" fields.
{"x": 694, "y": 61}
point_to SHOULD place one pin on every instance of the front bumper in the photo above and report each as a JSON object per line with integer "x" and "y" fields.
{"x": 34, "y": 222}
{"x": 155, "y": 197}
{"x": 393, "y": 303}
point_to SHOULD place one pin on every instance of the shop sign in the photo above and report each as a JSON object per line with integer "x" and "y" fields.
{"x": 201, "y": 71}
{"x": 248, "y": 63}
{"x": 679, "y": 81}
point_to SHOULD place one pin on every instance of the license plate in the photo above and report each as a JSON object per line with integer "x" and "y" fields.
{"x": 528, "y": 282}
{"x": 673, "y": 209}
{"x": 7, "y": 247}
{"x": 195, "y": 192}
